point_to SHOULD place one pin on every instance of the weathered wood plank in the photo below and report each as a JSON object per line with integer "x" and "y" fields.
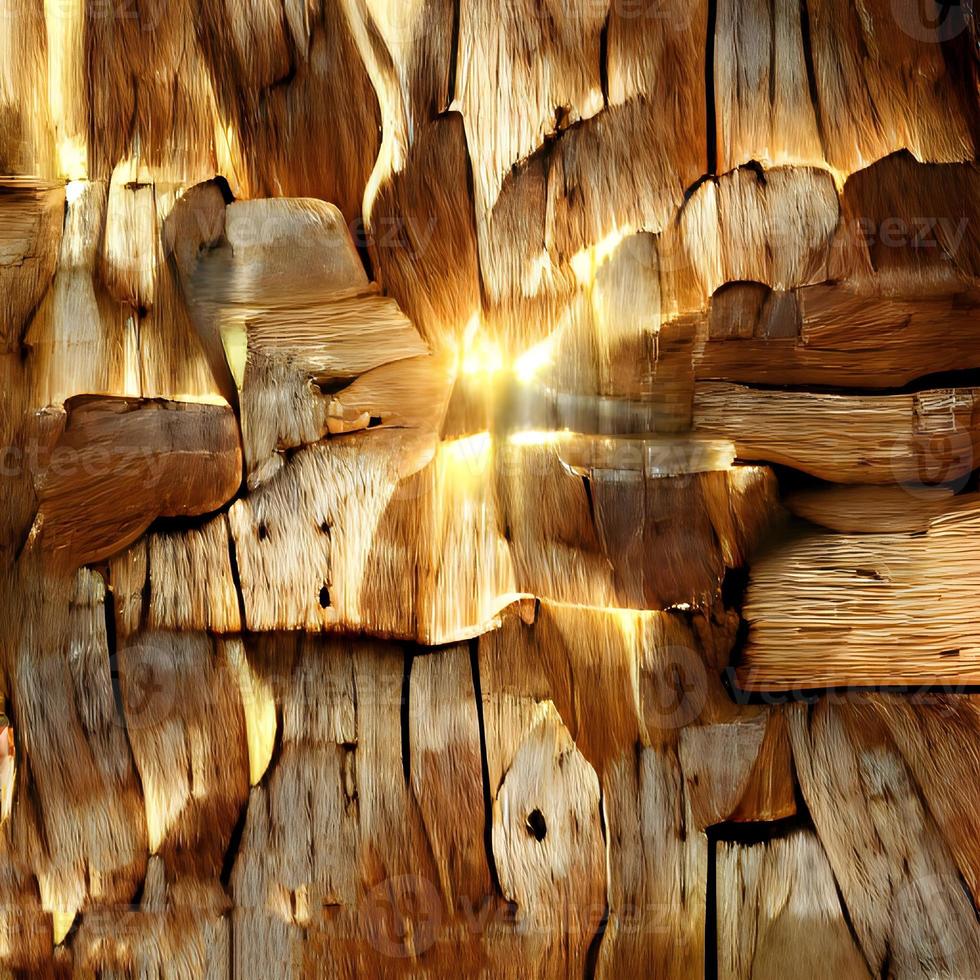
{"x": 897, "y": 877}
{"x": 779, "y": 913}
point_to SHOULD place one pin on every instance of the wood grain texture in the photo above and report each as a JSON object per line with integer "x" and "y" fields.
{"x": 401, "y": 402}
{"x": 123, "y": 463}
{"x": 910, "y": 912}
{"x": 928, "y": 437}
{"x": 863, "y": 609}
{"x": 778, "y": 911}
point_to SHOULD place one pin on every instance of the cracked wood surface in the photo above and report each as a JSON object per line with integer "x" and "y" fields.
{"x": 400, "y": 408}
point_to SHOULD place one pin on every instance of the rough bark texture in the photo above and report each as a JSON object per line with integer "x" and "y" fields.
{"x": 489, "y": 489}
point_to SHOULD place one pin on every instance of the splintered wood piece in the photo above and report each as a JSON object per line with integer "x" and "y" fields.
{"x": 346, "y": 882}
{"x": 938, "y": 739}
{"x": 418, "y": 203}
{"x": 865, "y": 609}
{"x": 902, "y": 889}
{"x": 571, "y": 650}
{"x": 608, "y": 341}
{"x": 639, "y": 523}
{"x": 870, "y": 100}
{"x": 173, "y": 360}
{"x": 915, "y": 224}
{"x": 117, "y": 464}
{"x": 547, "y": 837}
{"x": 770, "y": 793}
{"x": 28, "y": 927}
{"x": 763, "y": 108}
{"x": 258, "y": 702}
{"x": 303, "y": 539}
{"x": 192, "y": 228}
{"x": 154, "y": 99}
{"x": 610, "y": 521}
{"x": 658, "y": 869}
{"x": 546, "y": 829}
{"x": 346, "y": 333}
{"x": 775, "y": 227}
{"x": 889, "y": 509}
{"x": 828, "y": 85}
{"x": 83, "y": 339}
{"x": 420, "y": 39}
{"x": 340, "y": 540}
{"x": 627, "y": 686}
{"x": 847, "y": 335}
{"x": 778, "y": 904}
{"x": 128, "y": 583}
{"x": 622, "y": 170}
{"x": 31, "y": 214}
{"x": 191, "y": 584}
{"x": 266, "y": 81}
{"x": 113, "y": 321}
{"x": 281, "y": 245}
{"x": 130, "y": 250}
{"x": 645, "y": 526}
{"x": 299, "y": 356}
{"x": 180, "y": 927}
{"x": 670, "y": 539}
{"x": 739, "y": 770}
{"x": 408, "y": 394}
{"x": 279, "y": 286}
{"x": 718, "y": 762}
{"x": 237, "y": 261}
{"x": 77, "y": 821}
{"x": 510, "y": 105}
{"x": 928, "y": 437}
{"x": 26, "y": 138}
{"x": 553, "y": 539}
{"x": 445, "y": 759}
{"x": 422, "y": 235}
{"x": 186, "y": 725}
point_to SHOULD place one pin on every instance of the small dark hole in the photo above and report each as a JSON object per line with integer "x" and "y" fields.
{"x": 330, "y": 386}
{"x": 325, "y": 527}
{"x": 263, "y": 532}
{"x": 324, "y": 597}
{"x": 374, "y": 421}
{"x": 536, "y": 825}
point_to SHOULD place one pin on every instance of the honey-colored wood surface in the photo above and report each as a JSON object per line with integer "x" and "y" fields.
{"x": 489, "y": 489}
